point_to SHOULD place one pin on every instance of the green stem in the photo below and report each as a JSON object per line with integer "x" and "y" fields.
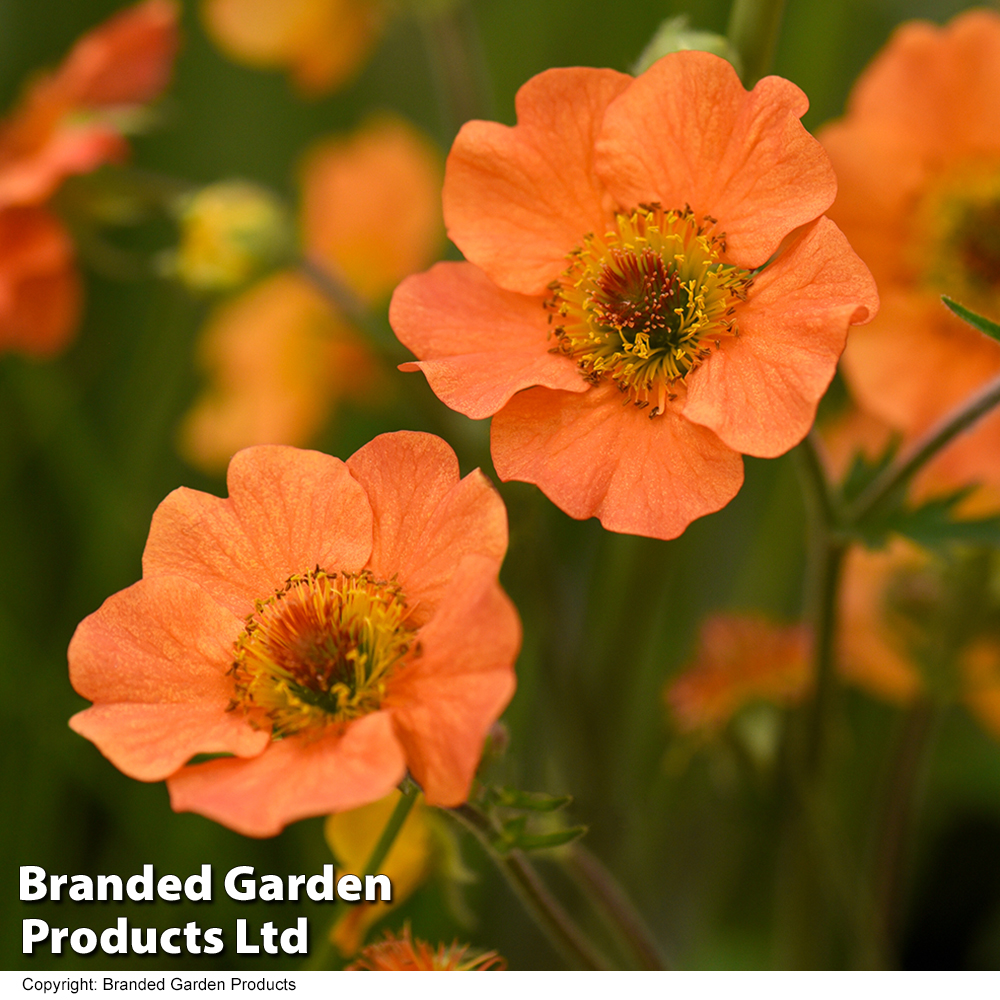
{"x": 898, "y": 805}
{"x": 379, "y": 853}
{"x": 812, "y": 887}
{"x": 917, "y": 455}
{"x": 456, "y": 58}
{"x": 754, "y": 26}
{"x": 544, "y": 908}
{"x": 614, "y": 905}
{"x": 826, "y": 558}
{"x": 392, "y": 828}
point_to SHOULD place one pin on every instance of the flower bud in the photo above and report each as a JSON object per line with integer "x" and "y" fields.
{"x": 674, "y": 35}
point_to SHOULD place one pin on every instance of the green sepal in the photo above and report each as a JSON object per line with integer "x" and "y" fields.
{"x": 514, "y": 836}
{"x": 558, "y": 838}
{"x": 512, "y": 798}
{"x": 981, "y": 323}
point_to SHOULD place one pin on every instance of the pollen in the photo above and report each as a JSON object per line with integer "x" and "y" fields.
{"x": 319, "y": 651}
{"x": 646, "y": 304}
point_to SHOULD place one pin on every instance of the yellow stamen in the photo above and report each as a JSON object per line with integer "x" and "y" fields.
{"x": 320, "y": 651}
{"x": 644, "y": 305}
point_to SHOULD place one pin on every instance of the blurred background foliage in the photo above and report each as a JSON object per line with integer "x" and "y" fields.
{"x": 87, "y": 450}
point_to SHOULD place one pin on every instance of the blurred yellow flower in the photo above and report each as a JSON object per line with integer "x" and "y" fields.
{"x": 322, "y": 43}
{"x": 352, "y": 837}
{"x": 229, "y": 233}
{"x": 281, "y": 354}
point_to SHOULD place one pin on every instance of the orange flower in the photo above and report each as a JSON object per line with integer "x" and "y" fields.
{"x": 614, "y": 238}
{"x": 876, "y": 644}
{"x": 68, "y": 123}
{"x": 740, "y": 659}
{"x": 918, "y": 160}
{"x": 329, "y": 626}
{"x": 404, "y": 954}
{"x": 280, "y": 355}
{"x": 887, "y": 600}
{"x": 323, "y": 43}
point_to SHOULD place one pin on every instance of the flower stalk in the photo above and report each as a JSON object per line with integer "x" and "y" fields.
{"x": 898, "y": 475}
{"x": 754, "y": 26}
{"x": 613, "y": 905}
{"x": 560, "y": 928}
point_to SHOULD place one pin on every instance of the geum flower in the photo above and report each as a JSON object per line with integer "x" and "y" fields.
{"x": 69, "y": 122}
{"x": 409, "y": 954}
{"x": 331, "y": 625}
{"x": 898, "y": 616}
{"x": 741, "y": 659}
{"x": 651, "y": 288}
{"x": 281, "y": 355}
{"x": 322, "y": 43}
{"x": 918, "y": 159}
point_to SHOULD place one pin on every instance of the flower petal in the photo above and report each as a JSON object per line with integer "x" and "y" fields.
{"x": 591, "y": 456}
{"x": 322, "y": 43}
{"x": 294, "y": 778}
{"x": 916, "y": 361}
{"x": 40, "y": 294}
{"x": 126, "y": 60}
{"x": 933, "y": 90}
{"x": 150, "y": 742}
{"x": 760, "y": 390}
{"x": 288, "y": 511}
{"x": 371, "y": 205}
{"x": 445, "y": 703}
{"x": 518, "y": 200}
{"x": 278, "y": 359}
{"x": 425, "y": 518}
{"x": 155, "y": 659}
{"x": 478, "y": 344}
{"x": 686, "y": 132}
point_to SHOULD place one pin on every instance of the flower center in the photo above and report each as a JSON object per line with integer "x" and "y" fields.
{"x": 960, "y": 254}
{"x": 644, "y": 305}
{"x": 320, "y": 650}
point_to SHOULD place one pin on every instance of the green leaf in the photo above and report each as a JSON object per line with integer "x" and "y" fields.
{"x": 981, "y": 323}
{"x": 543, "y": 841}
{"x": 863, "y": 472}
{"x": 932, "y": 524}
{"x": 511, "y": 798}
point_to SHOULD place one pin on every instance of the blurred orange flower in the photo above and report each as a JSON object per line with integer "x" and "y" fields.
{"x": 918, "y": 161}
{"x": 888, "y": 599}
{"x": 406, "y": 954}
{"x": 280, "y": 355}
{"x": 740, "y": 659}
{"x": 352, "y": 837}
{"x": 69, "y": 122}
{"x": 327, "y": 628}
{"x": 613, "y": 240}
{"x": 322, "y": 43}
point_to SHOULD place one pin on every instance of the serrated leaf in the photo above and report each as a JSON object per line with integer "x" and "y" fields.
{"x": 863, "y": 471}
{"x": 931, "y": 524}
{"x": 542, "y": 841}
{"x": 981, "y": 323}
{"x": 511, "y": 798}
